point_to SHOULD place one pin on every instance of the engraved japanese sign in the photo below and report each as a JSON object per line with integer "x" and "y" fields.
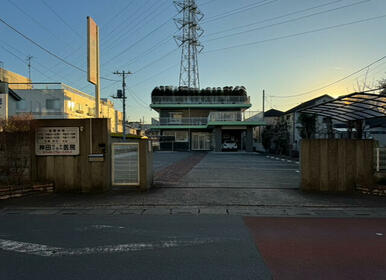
{"x": 59, "y": 141}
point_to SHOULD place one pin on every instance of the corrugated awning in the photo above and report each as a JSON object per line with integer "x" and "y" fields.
{"x": 351, "y": 107}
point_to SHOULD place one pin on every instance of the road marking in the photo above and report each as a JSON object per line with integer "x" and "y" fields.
{"x": 99, "y": 227}
{"x": 51, "y": 251}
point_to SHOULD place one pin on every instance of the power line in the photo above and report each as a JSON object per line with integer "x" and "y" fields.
{"x": 140, "y": 24}
{"x": 135, "y": 43}
{"x": 150, "y": 50}
{"x": 61, "y": 19}
{"x": 36, "y": 62}
{"x": 155, "y": 61}
{"x": 274, "y": 18}
{"x": 333, "y": 83}
{"x": 137, "y": 99}
{"x": 118, "y": 13}
{"x": 48, "y": 51}
{"x": 288, "y": 21}
{"x": 119, "y": 26}
{"x": 155, "y": 75}
{"x": 239, "y": 10}
{"x": 207, "y": 2}
{"x": 24, "y": 62}
{"x": 297, "y": 34}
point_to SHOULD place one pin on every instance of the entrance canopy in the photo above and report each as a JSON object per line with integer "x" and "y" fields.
{"x": 352, "y": 107}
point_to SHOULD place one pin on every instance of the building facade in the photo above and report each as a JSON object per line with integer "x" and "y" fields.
{"x": 20, "y": 81}
{"x": 52, "y": 101}
{"x": 291, "y": 118}
{"x": 203, "y": 120}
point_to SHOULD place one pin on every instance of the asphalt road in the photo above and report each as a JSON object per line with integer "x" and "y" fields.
{"x": 322, "y": 248}
{"x": 128, "y": 247}
{"x": 191, "y": 247}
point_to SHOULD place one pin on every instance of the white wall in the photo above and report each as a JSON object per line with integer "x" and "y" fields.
{"x": 38, "y": 102}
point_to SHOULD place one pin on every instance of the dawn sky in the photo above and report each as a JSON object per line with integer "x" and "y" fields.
{"x": 287, "y": 47}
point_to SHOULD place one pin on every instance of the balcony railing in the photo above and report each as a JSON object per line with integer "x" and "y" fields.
{"x": 183, "y": 121}
{"x": 247, "y": 116}
{"x": 200, "y": 100}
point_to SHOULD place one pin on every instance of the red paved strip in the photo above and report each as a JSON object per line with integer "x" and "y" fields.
{"x": 321, "y": 248}
{"x": 176, "y": 171}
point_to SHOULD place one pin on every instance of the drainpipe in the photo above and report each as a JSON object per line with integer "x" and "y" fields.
{"x": 189, "y": 138}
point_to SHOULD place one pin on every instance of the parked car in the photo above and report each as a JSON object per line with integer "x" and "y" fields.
{"x": 229, "y": 145}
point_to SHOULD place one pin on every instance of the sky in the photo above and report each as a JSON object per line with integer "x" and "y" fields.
{"x": 289, "y": 48}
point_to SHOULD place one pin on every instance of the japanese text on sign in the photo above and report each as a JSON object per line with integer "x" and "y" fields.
{"x": 57, "y": 141}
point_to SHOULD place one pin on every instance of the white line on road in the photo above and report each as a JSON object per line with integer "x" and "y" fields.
{"x": 50, "y": 251}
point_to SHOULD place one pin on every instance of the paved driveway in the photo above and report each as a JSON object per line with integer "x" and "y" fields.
{"x": 215, "y": 183}
{"x": 241, "y": 171}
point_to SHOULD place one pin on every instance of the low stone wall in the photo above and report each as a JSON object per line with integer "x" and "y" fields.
{"x": 7, "y": 192}
{"x": 376, "y": 190}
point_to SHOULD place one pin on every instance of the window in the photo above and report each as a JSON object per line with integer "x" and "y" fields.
{"x": 91, "y": 111}
{"x": 180, "y": 136}
{"x": 70, "y": 105}
{"x": 175, "y": 117}
{"x": 53, "y": 104}
{"x": 168, "y": 133}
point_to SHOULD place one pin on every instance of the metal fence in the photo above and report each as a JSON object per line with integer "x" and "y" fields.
{"x": 184, "y": 121}
{"x": 380, "y": 159}
{"x": 233, "y": 116}
{"x": 125, "y": 164}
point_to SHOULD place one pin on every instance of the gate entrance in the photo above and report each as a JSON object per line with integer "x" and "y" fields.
{"x": 125, "y": 164}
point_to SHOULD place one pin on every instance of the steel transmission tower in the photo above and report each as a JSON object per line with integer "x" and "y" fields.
{"x": 189, "y": 41}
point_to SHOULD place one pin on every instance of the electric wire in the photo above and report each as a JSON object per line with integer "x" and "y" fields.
{"x": 274, "y": 18}
{"x": 62, "y": 20}
{"x": 24, "y": 62}
{"x": 297, "y": 34}
{"x": 330, "y": 84}
{"x": 136, "y": 42}
{"x": 239, "y": 10}
{"x": 48, "y": 51}
{"x": 135, "y": 28}
{"x": 288, "y": 21}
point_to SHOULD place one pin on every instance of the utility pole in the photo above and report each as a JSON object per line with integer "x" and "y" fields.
{"x": 123, "y": 97}
{"x": 29, "y": 66}
{"x": 263, "y": 101}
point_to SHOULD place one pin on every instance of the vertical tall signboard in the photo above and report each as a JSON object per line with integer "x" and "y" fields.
{"x": 93, "y": 64}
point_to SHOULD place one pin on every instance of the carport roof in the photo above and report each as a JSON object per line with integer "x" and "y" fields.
{"x": 355, "y": 106}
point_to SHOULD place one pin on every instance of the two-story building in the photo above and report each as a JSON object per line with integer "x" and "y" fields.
{"x": 51, "y": 101}
{"x": 203, "y": 120}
